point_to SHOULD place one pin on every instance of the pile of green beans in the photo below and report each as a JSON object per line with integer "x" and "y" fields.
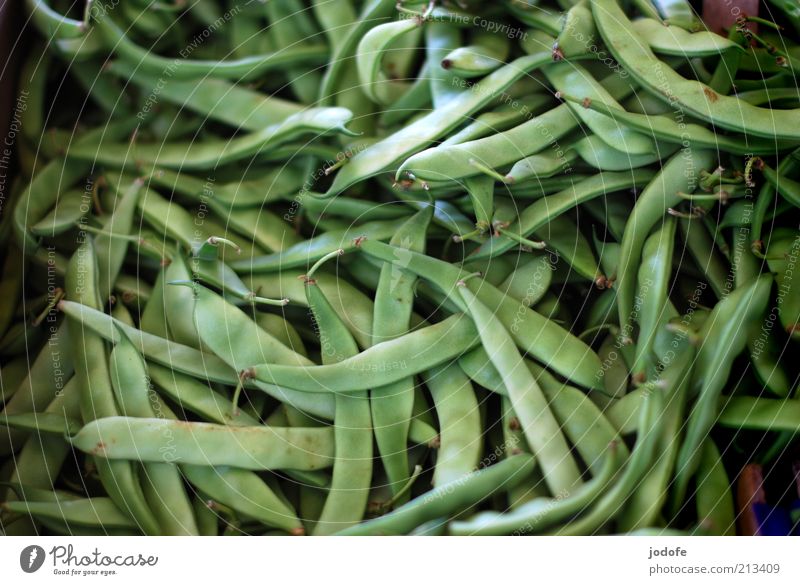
{"x": 366, "y": 267}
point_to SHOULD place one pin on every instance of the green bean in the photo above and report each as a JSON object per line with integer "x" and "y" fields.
{"x": 529, "y": 281}
{"x": 43, "y": 422}
{"x": 392, "y": 405}
{"x": 678, "y": 174}
{"x": 94, "y": 513}
{"x": 43, "y": 455}
{"x": 278, "y": 183}
{"x": 448, "y": 499}
{"x": 56, "y": 177}
{"x": 354, "y": 209}
{"x": 440, "y": 40}
{"x": 90, "y": 357}
{"x": 47, "y": 375}
{"x": 533, "y": 333}
{"x": 68, "y": 210}
{"x": 678, "y": 13}
{"x": 501, "y": 149}
{"x": 162, "y": 484}
{"x": 788, "y": 189}
{"x": 206, "y": 96}
{"x": 714, "y": 496}
{"x": 481, "y": 194}
{"x": 352, "y": 469}
{"x": 52, "y": 24}
{"x": 722, "y": 341}
{"x": 487, "y": 53}
{"x": 654, "y": 276}
{"x": 369, "y": 54}
{"x": 159, "y": 440}
{"x": 246, "y": 493}
{"x": 459, "y": 420}
{"x": 596, "y": 153}
{"x": 538, "y": 423}
{"x": 197, "y": 397}
{"x": 781, "y": 257}
{"x": 648, "y": 498}
{"x": 790, "y": 9}
{"x": 562, "y": 235}
{"x": 12, "y": 374}
{"x": 506, "y": 116}
{"x": 291, "y": 26}
{"x": 577, "y": 32}
{"x": 210, "y": 154}
{"x": 540, "y": 513}
{"x": 354, "y": 307}
{"x": 702, "y": 248}
{"x": 158, "y": 349}
{"x": 10, "y": 286}
{"x": 179, "y": 68}
{"x": 722, "y": 111}
{"x": 467, "y": 159}
{"x": 233, "y": 336}
{"x": 667, "y": 129}
{"x": 282, "y": 330}
{"x": 180, "y": 317}
{"x": 541, "y": 166}
{"x": 111, "y": 249}
{"x": 310, "y": 251}
{"x": 572, "y": 77}
{"x": 584, "y": 425}
{"x": 372, "y": 12}
{"x": 675, "y": 40}
{"x": 763, "y": 414}
{"x": 381, "y": 364}
{"x": 767, "y": 195}
{"x": 611, "y": 503}
{"x": 514, "y": 443}
{"x": 389, "y": 151}
{"x": 547, "y": 208}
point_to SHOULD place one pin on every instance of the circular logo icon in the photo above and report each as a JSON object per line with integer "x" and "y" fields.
{"x": 31, "y": 558}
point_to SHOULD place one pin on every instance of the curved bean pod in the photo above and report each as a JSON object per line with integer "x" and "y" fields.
{"x": 459, "y": 422}
{"x": 538, "y": 423}
{"x": 678, "y": 174}
{"x": 714, "y": 495}
{"x": 161, "y": 482}
{"x": 667, "y": 39}
{"x": 533, "y": 333}
{"x": 234, "y": 69}
{"x": 545, "y": 209}
{"x": 541, "y": 513}
{"x": 382, "y": 155}
{"x": 352, "y": 469}
{"x": 210, "y": 154}
{"x": 722, "y": 342}
{"x": 392, "y": 405}
{"x": 448, "y": 499}
{"x": 158, "y": 440}
{"x": 309, "y": 251}
{"x": 722, "y": 111}
{"x": 666, "y": 129}
{"x": 246, "y": 493}
{"x": 381, "y": 364}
